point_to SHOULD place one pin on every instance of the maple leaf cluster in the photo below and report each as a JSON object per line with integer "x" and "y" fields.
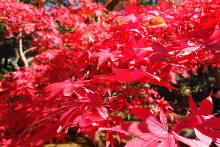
{"x": 94, "y": 69}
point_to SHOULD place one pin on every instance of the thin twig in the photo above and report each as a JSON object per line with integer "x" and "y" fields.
{"x": 30, "y": 49}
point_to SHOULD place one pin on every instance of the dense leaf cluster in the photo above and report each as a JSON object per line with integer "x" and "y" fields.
{"x": 94, "y": 70}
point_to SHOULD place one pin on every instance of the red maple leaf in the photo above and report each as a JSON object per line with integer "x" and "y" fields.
{"x": 128, "y": 75}
{"x": 216, "y": 34}
{"x": 210, "y": 131}
{"x": 104, "y": 55}
{"x": 65, "y": 88}
{"x": 153, "y": 132}
{"x": 198, "y": 115}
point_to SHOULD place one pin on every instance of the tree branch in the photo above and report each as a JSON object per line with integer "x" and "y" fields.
{"x": 30, "y": 49}
{"x": 15, "y": 61}
{"x": 20, "y": 51}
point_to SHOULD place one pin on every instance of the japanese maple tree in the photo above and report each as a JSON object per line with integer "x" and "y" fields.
{"x": 93, "y": 71}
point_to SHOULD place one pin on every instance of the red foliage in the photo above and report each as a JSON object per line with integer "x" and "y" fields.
{"x": 93, "y": 65}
